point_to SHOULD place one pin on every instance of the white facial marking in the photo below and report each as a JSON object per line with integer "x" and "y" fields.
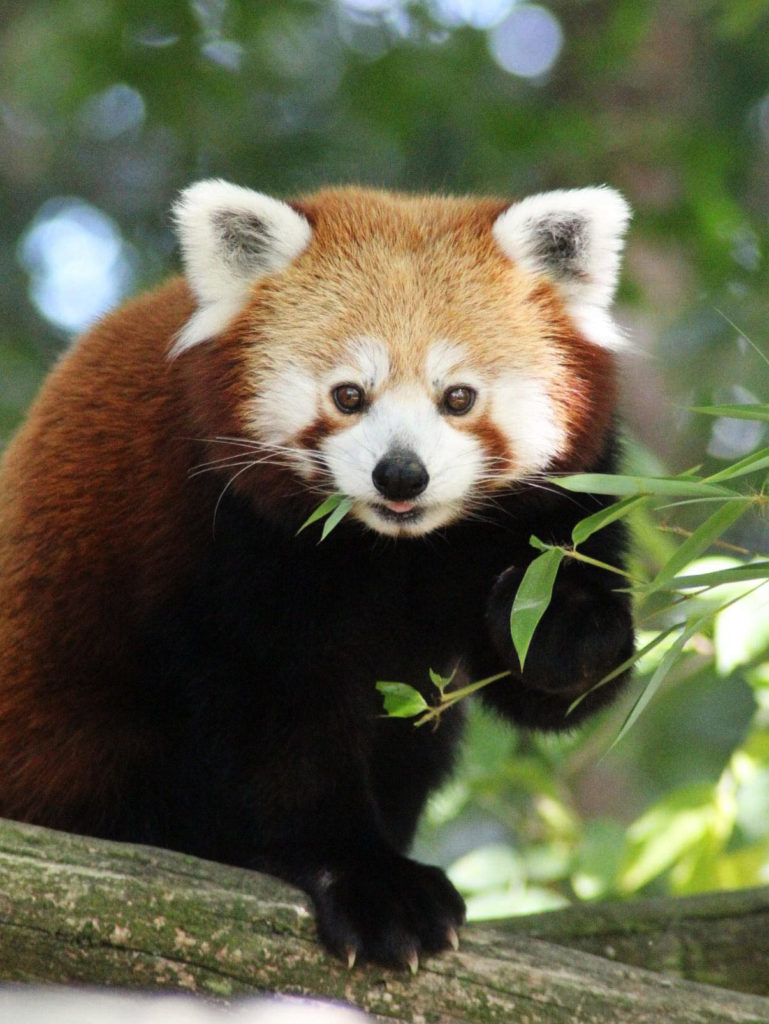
{"x": 523, "y": 411}
{"x": 448, "y": 363}
{"x": 283, "y": 406}
{"x": 287, "y": 403}
{"x": 366, "y": 362}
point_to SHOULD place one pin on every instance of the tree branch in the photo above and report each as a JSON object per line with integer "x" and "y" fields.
{"x": 74, "y": 909}
{"x": 720, "y": 939}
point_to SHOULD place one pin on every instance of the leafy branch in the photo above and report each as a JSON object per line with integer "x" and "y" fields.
{"x": 633, "y": 493}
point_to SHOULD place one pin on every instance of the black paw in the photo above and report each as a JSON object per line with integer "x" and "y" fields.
{"x": 392, "y": 911}
{"x": 585, "y": 634}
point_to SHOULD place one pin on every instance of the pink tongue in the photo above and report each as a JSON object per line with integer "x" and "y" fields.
{"x": 400, "y": 506}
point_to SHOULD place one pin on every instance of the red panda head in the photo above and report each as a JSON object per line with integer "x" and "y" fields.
{"x": 417, "y": 354}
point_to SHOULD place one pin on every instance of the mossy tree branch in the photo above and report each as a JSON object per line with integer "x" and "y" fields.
{"x": 79, "y": 910}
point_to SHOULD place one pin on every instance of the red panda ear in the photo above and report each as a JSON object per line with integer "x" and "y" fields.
{"x": 230, "y": 236}
{"x": 574, "y": 237}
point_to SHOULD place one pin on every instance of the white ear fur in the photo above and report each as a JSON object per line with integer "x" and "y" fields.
{"x": 575, "y": 237}
{"x": 230, "y": 236}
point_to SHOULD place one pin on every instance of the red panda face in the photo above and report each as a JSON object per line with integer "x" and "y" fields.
{"x": 416, "y": 354}
{"x": 415, "y": 449}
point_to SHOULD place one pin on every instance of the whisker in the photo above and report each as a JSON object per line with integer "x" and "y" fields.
{"x": 208, "y": 467}
{"x": 198, "y": 471}
{"x": 537, "y": 482}
{"x": 476, "y": 516}
{"x": 224, "y": 490}
{"x": 220, "y": 463}
{"x": 262, "y": 456}
{"x": 257, "y": 445}
{"x": 284, "y": 456}
{"x": 244, "y": 442}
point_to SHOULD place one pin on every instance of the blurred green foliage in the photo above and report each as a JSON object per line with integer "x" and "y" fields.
{"x": 108, "y": 107}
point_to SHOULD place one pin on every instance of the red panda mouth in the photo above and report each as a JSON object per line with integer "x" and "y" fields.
{"x": 399, "y": 511}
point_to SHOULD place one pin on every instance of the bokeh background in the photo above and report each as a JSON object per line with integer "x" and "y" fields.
{"x": 108, "y": 107}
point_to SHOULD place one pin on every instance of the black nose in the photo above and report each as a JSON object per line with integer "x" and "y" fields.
{"x": 400, "y": 475}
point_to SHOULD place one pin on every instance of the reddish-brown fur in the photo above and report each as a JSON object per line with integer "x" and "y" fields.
{"x": 96, "y": 519}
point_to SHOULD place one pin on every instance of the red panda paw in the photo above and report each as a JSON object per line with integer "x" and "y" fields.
{"x": 392, "y": 912}
{"x": 585, "y": 634}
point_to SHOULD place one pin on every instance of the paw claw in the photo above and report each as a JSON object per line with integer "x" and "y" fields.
{"x": 392, "y": 911}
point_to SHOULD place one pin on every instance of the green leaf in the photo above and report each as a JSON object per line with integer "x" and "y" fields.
{"x": 699, "y": 541}
{"x": 402, "y": 700}
{"x": 540, "y": 544}
{"x": 439, "y": 681}
{"x": 322, "y": 510}
{"x": 591, "y": 524}
{"x": 622, "y": 486}
{"x": 670, "y": 659}
{"x": 336, "y": 507}
{"x": 735, "y": 412}
{"x": 718, "y": 577}
{"x": 532, "y": 599}
{"x": 750, "y": 464}
{"x": 336, "y": 516}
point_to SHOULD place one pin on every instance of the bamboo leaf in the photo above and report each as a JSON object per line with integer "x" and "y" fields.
{"x": 402, "y": 700}
{"x": 735, "y": 412}
{"x": 336, "y": 516}
{"x": 439, "y": 681}
{"x": 324, "y": 509}
{"x": 698, "y": 542}
{"x": 336, "y": 507}
{"x": 532, "y": 599}
{"x": 591, "y": 524}
{"x": 735, "y": 574}
{"x": 540, "y": 545}
{"x": 750, "y": 464}
{"x": 625, "y": 486}
{"x": 669, "y": 660}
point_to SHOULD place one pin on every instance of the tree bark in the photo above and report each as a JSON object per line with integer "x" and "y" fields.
{"x": 720, "y": 939}
{"x": 80, "y": 910}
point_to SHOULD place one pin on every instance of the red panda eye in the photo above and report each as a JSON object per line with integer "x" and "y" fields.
{"x": 458, "y": 400}
{"x": 348, "y": 397}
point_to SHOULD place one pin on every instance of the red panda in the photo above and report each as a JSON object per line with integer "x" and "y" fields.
{"x": 179, "y": 666}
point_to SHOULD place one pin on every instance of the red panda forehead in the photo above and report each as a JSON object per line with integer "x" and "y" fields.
{"x": 355, "y": 217}
{"x": 382, "y": 253}
{"x": 411, "y": 272}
